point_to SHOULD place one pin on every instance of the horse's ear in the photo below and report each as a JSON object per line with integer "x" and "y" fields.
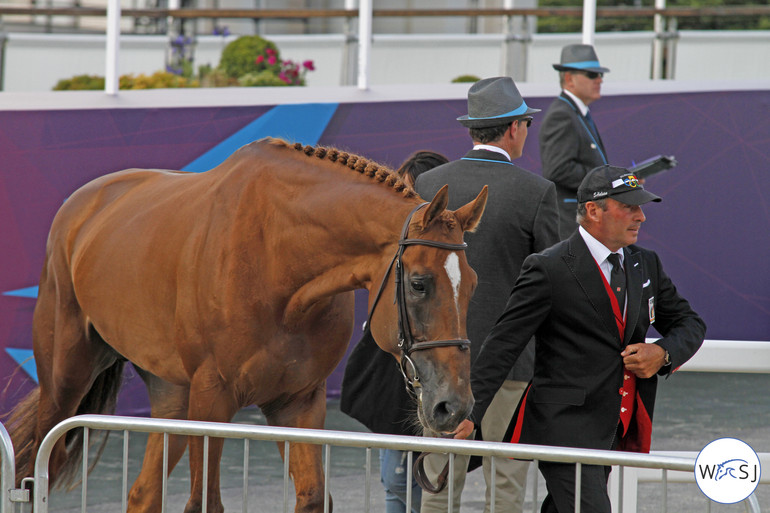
{"x": 469, "y": 215}
{"x": 436, "y": 207}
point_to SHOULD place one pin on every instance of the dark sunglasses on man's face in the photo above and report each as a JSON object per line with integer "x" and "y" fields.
{"x": 592, "y": 75}
{"x": 528, "y": 121}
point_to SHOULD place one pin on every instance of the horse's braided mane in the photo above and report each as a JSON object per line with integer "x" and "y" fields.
{"x": 366, "y": 167}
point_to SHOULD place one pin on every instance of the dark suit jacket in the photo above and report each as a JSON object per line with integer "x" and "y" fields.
{"x": 520, "y": 218}
{"x": 568, "y": 151}
{"x": 574, "y": 398}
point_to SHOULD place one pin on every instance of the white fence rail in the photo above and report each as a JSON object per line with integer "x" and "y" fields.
{"x": 730, "y": 356}
{"x": 664, "y": 463}
{"x": 8, "y": 470}
{"x": 36, "y": 62}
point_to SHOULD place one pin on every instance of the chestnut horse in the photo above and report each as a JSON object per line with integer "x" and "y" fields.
{"x": 235, "y": 287}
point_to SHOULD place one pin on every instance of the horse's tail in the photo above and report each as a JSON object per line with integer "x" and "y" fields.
{"x": 21, "y": 425}
{"x": 101, "y": 398}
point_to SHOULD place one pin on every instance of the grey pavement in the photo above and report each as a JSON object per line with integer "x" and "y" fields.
{"x": 692, "y": 410}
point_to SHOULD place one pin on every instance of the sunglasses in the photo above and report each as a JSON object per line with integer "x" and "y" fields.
{"x": 528, "y": 120}
{"x": 592, "y": 75}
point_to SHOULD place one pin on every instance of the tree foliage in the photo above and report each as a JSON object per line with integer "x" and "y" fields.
{"x": 557, "y": 24}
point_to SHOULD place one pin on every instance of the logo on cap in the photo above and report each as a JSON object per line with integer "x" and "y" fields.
{"x": 627, "y": 180}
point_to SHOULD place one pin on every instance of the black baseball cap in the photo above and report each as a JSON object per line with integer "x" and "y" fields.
{"x": 614, "y": 182}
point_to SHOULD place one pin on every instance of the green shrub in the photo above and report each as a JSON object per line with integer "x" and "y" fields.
{"x": 158, "y": 80}
{"x": 216, "y": 78}
{"x": 465, "y": 78}
{"x": 264, "y": 78}
{"x": 80, "y": 83}
{"x": 249, "y": 61}
{"x": 249, "y": 54}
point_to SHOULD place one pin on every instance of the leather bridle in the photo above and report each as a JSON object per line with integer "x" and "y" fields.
{"x": 406, "y": 342}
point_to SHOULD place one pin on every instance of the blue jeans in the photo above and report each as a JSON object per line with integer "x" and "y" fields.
{"x": 393, "y": 472}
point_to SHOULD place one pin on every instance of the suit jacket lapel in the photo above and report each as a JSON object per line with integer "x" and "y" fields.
{"x": 634, "y": 276}
{"x": 588, "y": 275}
{"x": 598, "y": 137}
{"x": 599, "y": 140}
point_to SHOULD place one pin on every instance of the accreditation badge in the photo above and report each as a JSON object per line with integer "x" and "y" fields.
{"x": 651, "y": 308}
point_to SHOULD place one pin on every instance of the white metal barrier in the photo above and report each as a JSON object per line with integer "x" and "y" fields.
{"x": 8, "y": 471}
{"x": 327, "y": 438}
{"x": 634, "y": 476}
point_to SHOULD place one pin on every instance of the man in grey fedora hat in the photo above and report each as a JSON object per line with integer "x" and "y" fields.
{"x": 520, "y": 218}
{"x": 570, "y": 144}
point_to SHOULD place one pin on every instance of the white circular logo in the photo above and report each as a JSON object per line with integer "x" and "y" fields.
{"x": 727, "y": 470}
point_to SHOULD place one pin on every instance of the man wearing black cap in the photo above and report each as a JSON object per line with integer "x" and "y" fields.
{"x": 520, "y": 218}
{"x": 590, "y": 301}
{"x": 570, "y": 144}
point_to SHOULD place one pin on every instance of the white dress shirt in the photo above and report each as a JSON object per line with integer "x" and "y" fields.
{"x": 489, "y": 147}
{"x": 600, "y": 252}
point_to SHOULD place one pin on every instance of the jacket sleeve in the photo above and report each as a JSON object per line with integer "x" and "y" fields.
{"x": 546, "y": 224}
{"x": 683, "y": 330}
{"x": 527, "y": 308}
{"x": 560, "y": 150}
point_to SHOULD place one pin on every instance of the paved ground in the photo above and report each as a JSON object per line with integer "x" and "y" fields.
{"x": 692, "y": 410}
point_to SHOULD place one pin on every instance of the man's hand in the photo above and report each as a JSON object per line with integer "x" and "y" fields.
{"x": 464, "y": 430}
{"x": 644, "y": 360}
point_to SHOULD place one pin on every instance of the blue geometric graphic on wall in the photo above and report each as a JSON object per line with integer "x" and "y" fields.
{"x": 24, "y": 358}
{"x": 304, "y": 123}
{"x": 25, "y": 292}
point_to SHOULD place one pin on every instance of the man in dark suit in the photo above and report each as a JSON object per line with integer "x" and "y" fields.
{"x": 589, "y": 300}
{"x": 520, "y": 218}
{"x": 570, "y": 144}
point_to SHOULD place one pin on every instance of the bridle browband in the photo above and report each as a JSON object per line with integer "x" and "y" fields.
{"x": 405, "y": 340}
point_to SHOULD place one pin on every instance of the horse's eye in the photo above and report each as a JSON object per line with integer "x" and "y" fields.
{"x": 418, "y": 286}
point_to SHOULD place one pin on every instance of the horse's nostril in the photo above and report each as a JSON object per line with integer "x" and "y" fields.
{"x": 444, "y": 412}
{"x": 448, "y": 414}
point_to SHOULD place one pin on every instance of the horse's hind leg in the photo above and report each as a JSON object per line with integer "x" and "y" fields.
{"x": 169, "y": 402}
{"x": 304, "y": 459}
{"x": 69, "y": 356}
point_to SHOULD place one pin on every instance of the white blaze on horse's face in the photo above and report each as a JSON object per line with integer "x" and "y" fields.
{"x": 452, "y": 266}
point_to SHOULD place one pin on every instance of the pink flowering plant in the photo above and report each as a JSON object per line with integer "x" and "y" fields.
{"x": 249, "y": 54}
{"x": 293, "y": 73}
{"x": 255, "y": 61}
{"x": 270, "y": 57}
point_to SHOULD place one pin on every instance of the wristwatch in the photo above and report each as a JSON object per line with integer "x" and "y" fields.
{"x": 667, "y": 358}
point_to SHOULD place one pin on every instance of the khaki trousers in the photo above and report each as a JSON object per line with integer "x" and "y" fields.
{"x": 510, "y": 475}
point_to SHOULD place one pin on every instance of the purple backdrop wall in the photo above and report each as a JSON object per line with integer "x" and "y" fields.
{"x": 711, "y": 229}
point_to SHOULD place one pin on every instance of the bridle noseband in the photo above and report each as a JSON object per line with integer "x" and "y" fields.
{"x": 405, "y": 340}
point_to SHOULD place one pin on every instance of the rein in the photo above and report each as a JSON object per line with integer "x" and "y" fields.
{"x": 405, "y": 340}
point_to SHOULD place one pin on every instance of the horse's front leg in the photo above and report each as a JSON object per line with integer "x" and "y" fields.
{"x": 305, "y": 465}
{"x": 211, "y": 401}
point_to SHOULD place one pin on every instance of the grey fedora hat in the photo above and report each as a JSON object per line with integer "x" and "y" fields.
{"x": 579, "y": 57}
{"x": 494, "y": 101}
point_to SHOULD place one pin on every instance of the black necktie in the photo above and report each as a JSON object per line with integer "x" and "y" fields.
{"x": 591, "y": 123}
{"x": 618, "y": 280}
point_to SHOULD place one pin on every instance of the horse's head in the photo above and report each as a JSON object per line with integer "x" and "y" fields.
{"x": 425, "y": 329}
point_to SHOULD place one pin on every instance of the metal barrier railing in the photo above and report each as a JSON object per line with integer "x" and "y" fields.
{"x": 8, "y": 470}
{"x": 327, "y": 438}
